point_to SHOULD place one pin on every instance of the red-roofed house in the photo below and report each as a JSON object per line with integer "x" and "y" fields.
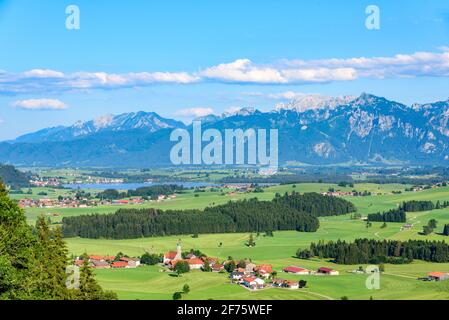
{"x": 195, "y": 263}
{"x": 292, "y": 284}
{"x": 210, "y": 260}
{"x": 132, "y": 262}
{"x": 101, "y": 258}
{"x": 217, "y": 267}
{"x": 169, "y": 256}
{"x": 296, "y": 270}
{"x": 438, "y": 276}
{"x": 100, "y": 264}
{"x": 253, "y": 282}
{"x": 328, "y": 271}
{"x": 267, "y": 268}
{"x": 120, "y": 264}
{"x": 264, "y": 270}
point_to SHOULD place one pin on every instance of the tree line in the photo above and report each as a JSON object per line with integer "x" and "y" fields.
{"x": 316, "y": 204}
{"x": 416, "y": 206}
{"x": 393, "y": 215}
{"x": 399, "y": 214}
{"x": 150, "y": 192}
{"x": 289, "y": 212}
{"x": 363, "y": 251}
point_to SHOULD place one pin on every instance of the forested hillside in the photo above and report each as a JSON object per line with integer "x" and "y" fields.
{"x": 13, "y": 177}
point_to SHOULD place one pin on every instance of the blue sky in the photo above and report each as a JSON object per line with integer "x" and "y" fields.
{"x": 180, "y": 58}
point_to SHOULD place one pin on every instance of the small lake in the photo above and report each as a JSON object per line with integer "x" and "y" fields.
{"x": 133, "y": 186}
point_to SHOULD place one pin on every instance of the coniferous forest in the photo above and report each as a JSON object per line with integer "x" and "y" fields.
{"x": 415, "y": 206}
{"x": 393, "y": 215}
{"x": 363, "y": 251}
{"x": 33, "y": 261}
{"x": 288, "y": 212}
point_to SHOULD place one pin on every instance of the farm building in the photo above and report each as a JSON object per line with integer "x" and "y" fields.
{"x": 281, "y": 283}
{"x": 296, "y": 270}
{"x": 101, "y": 258}
{"x": 236, "y": 275}
{"x": 250, "y": 267}
{"x": 195, "y": 263}
{"x": 132, "y": 262}
{"x": 292, "y": 284}
{"x": 100, "y": 264}
{"x": 438, "y": 276}
{"x": 253, "y": 282}
{"x": 119, "y": 264}
{"x": 328, "y": 271}
{"x": 264, "y": 270}
{"x": 217, "y": 267}
{"x": 407, "y": 226}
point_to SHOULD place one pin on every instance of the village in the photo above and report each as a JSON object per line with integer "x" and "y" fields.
{"x": 244, "y": 273}
{"x": 86, "y": 202}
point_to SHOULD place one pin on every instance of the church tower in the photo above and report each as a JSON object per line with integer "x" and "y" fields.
{"x": 178, "y": 251}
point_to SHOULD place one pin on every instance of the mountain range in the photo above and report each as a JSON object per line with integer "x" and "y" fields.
{"x": 312, "y": 130}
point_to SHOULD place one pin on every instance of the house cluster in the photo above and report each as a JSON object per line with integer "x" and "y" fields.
{"x": 304, "y": 271}
{"x": 74, "y": 203}
{"x": 95, "y": 180}
{"x": 56, "y": 203}
{"x": 171, "y": 258}
{"x": 258, "y": 277}
{"x": 122, "y": 202}
{"x": 45, "y": 182}
{"x": 108, "y": 262}
{"x": 407, "y": 226}
{"x": 247, "y": 273}
{"x": 252, "y": 276}
{"x": 163, "y": 197}
{"x": 337, "y": 193}
{"x": 240, "y": 187}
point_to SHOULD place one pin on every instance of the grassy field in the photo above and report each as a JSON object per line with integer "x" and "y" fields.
{"x": 211, "y": 198}
{"x": 398, "y": 282}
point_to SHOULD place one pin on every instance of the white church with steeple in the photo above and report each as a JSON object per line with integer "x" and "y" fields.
{"x": 173, "y": 255}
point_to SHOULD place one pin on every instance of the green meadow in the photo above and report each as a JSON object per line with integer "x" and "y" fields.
{"x": 398, "y": 281}
{"x": 188, "y": 200}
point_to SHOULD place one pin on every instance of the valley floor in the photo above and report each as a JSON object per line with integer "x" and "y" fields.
{"x": 397, "y": 282}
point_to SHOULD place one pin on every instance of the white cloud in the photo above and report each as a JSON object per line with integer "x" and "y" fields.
{"x": 40, "y": 104}
{"x": 43, "y": 73}
{"x": 401, "y": 65}
{"x": 286, "y": 95}
{"x": 194, "y": 112}
{"x": 241, "y": 71}
{"x": 245, "y": 71}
